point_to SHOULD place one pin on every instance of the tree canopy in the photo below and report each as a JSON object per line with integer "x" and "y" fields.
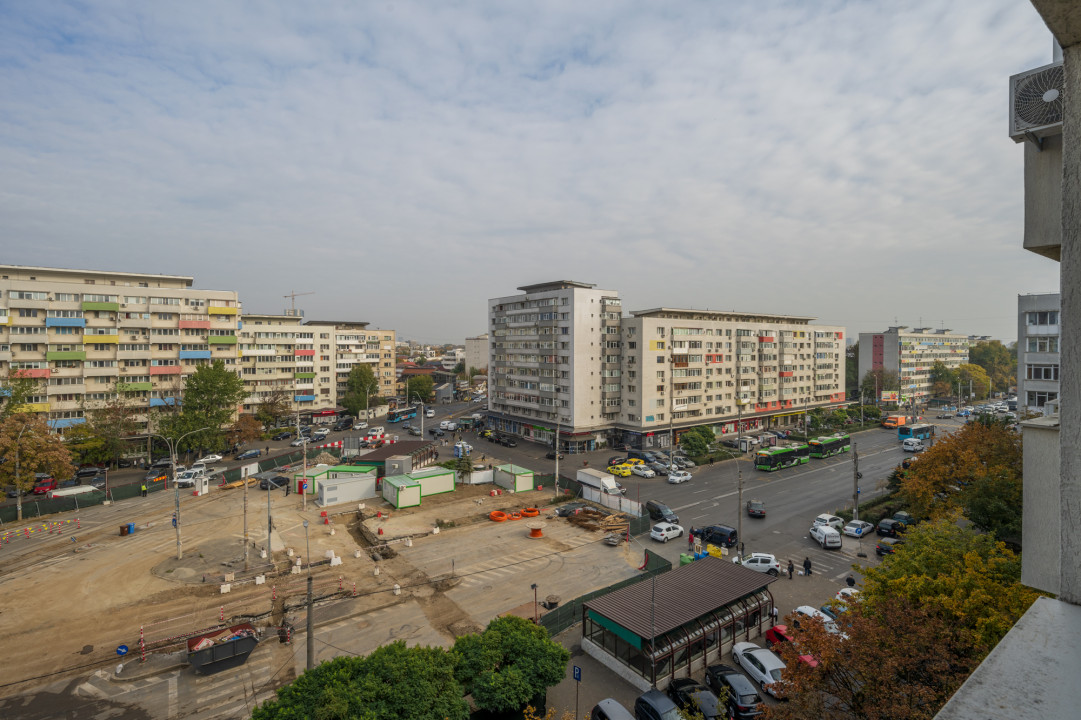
{"x": 509, "y": 664}
{"x": 998, "y": 362}
{"x": 210, "y": 398}
{"x": 25, "y": 438}
{"x": 15, "y": 391}
{"x": 878, "y": 380}
{"x": 943, "y": 379}
{"x": 696, "y": 441}
{"x": 974, "y": 377}
{"x": 361, "y": 389}
{"x": 394, "y": 681}
{"x": 420, "y": 385}
{"x": 274, "y": 406}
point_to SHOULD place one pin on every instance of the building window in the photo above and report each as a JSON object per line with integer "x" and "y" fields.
{"x": 1044, "y": 317}
{"x": 1039, "y": 398}
{"x": 1041, "y": 372}
{"x": 1048, "y": 343}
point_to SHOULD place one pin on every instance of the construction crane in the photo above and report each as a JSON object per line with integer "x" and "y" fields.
{"x": 293, "y": 301}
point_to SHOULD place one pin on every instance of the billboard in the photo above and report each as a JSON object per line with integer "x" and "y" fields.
{"x": 889, "y": 395}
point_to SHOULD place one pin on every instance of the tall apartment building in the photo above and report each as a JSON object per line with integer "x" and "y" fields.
{"x": 476, "y": 352}
{"x": 911, "y": 354}
{"x": 563, "y": 352}
{"x": 1038, "y": 352}
{"x": 269, "y": 363}
{"x": 335, "y": 347}
{"x": 554, "y": 363}
{"x": 683, "y": 368}
{"x": 93, "y": 336}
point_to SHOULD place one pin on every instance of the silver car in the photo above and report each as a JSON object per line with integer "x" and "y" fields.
{"x": 761, "y": 665}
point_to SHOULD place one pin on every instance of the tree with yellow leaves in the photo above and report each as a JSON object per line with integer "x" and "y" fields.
{"x": 27, "y": 447}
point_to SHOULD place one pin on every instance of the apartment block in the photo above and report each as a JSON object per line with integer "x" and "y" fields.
{"x": 564, "y": 353}
{"x": 683, "y": 368}
{"x": 911, "y": 354}
{"x": 270, "y": 364}
{"x": 554, "y": 363}
{"x": 476, "y": 352}
{"x": 335, "y": 348}
{"x": 1038, "y": 353}
{"x": 93, "y": 336}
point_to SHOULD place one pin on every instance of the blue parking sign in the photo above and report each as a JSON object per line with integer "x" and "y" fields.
{"x": 578, "y": 673}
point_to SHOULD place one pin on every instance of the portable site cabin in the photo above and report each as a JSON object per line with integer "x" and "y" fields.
{"x": 433, "y": 480}
{"x": 401, "y": 491}
{"x": 316, "y": 473}
{"x": 514, "y": 478}
{"x": 346, "y": 488}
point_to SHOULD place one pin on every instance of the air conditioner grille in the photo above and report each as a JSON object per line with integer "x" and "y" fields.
{"x": 1038, "y": 99}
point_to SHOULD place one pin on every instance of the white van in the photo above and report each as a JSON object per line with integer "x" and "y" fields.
{"x": 188, "y": 478}
{"x": 69, "y": 491}
{"x": 376, "y": 431}
{"x": 912, "y": 445}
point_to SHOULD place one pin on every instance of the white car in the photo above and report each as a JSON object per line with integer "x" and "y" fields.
{"x": 212, "y": 458}
{"x": 360, "y": 425}
{"x": 832, "y": 520}
{"x": 665, "y": 531}
{"x": 443, "y": 424}
{"x": 429, "y": 413}
{"x": 762, "y": 562}
{"x": 847, "y": 594}
{"x": 825, "y": 536}
{"x": 643, "y": 471}
{"x": 858, "y": 528}
{"x": 679, "y": 476}
{"x": 806, "y": 611}
{"x": 762, "y": 665}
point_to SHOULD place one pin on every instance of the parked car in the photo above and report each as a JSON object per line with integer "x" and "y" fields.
{"x": 905, "y": 518}
{"x": 43, "y": 483}
{"x": 610, "y": 709}
{"x": 744, "y": 702}
{"x": 665, "y": 531}
{"x": 70, "y": 482}
{"x": 756, "y": 508}
{"x": 888, "y": 546}
{"x": 717, "y": 535}
{"x": 507, "y": 441}
{"x": 283, "y": 435}
{"x": 659, "y": 467}
{"x": 620, "y": 470}
{"x": 832, "y": 520}
{"x": 271, "y": 483}
{"x": 360, "y": 425}
{"x": 415, "y": 431}
{"x": 616, "y": 460}
{"x": 695, "y": 699}
{"x": 847, "y": 594}
{"x": 344, "y": 423}
{"x": 655, "y": 705}
{"x": 685, "y": 462}
{"x": 98, "y": 481}
{"x": 570, "y": 508}
{"x": 888, "y": 527}
{"x": 429, "y": 413}
{"x": 826, "y": 536}
{"x": 678, "y": 476}
{"x": 443, "y": 424}
{"x": 552, "y": 455}
{"x": 858, "y": 528}
{"x": 298, "y": 442}
{"x": 89, "y": 471}
{"x": 659, "y": 511}
{"x": 248, "y": 454}
{"x": 777, "y": 634}
{"x": 808, "y": 612}
{"x": 643, "y": 471}
{"x": 761, "y": 562}
{"x": 161, "y": 463}
{"x": 634, "y": 461}
{"x": 211, "y": 458}
{"x": 761, "y": 665}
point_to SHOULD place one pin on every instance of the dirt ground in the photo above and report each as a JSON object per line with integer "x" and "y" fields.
{"x": 67, "y": 606}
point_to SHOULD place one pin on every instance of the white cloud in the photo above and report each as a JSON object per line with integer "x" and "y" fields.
{"x": 408, "y": 161}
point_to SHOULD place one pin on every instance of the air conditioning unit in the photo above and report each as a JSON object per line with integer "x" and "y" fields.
{"x": 1036, "y": 103}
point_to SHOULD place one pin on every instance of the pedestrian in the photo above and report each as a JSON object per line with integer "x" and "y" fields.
{"x": 690, "y": 536}
{"x": 267, "y": 449}
{"x": 790, "y": 569}
{"x": 143, "y": 489}
{"x": 806, "y": 566}
{"x": 711, "y": 461}
{"x": 741, "y": 549}
{"x": 850, "y": 581}
{"x": 774, "y": 614}
{"x": 287, "y": 489}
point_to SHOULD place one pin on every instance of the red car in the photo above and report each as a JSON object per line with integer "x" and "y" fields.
{"x": 779, "y": 634}
{"x": 44, "y": 484}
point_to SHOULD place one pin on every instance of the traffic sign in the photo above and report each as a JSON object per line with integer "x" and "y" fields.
{"x": 122, "y": 650}
{"x": 578, "y": 673}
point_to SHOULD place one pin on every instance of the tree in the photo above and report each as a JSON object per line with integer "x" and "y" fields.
{"x": 998, "y": 361}
{"x": 969, "y": 579}
{"x": 459, "y": 368}
{"x": 211, "y": 396}
{"x": 943, "y": 379}
{"x": 246, "y": 429}
{"x": 696, "y": 441}
{"x": 420, "y": 385}
{"x": 977, "y": 376}
{"x": 362, "y": 388}
{"x": 977, "y": 468}
{"x": 899, "y": 662}
{"x": 394, "y": 681}
{"x": 274, "y": 405}
{"x": 509, "y": 664}
{"x": 15, "y": 391}
{"x": 878, "y": 380}
{"x": 27, "y": 447}
{"x": 106, "y": 432}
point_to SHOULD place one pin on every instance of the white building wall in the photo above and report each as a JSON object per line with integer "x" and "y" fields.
{"x": 1038, "y": 358}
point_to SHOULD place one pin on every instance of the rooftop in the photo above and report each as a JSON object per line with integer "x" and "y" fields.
{"x": 679, "y": 598}
{"x": 731, "y": 315}
{"x": 555, "y": 285}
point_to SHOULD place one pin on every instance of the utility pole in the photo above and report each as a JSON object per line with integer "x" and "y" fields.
{"x": 559, "y": 420}
{"x": 855, "y": 482}
{"x": 269, "y": 527}
{"x": 246, "y": 523}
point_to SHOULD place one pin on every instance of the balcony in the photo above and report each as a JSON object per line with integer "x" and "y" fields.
{"x": 194, "y": 324}
{"x": 65, "y": 322}
{"x": 164, "y": 369}
{"x": 39, "y": 407}
{"x": 102, "y": 339}
{"x": 221, "y": 339}
{"x": 33, "y": 372}
{"x": 134, "y": 386}
{"x": 194, "y": 355}
{"x": 101, "y": 306}
{"x": 65, "y": 355}
{"x": 225, "y": 312}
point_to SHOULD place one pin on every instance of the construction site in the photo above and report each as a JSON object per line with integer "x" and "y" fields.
{"x": 107, "y": 612}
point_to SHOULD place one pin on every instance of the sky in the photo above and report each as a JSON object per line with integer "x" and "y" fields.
{"x": 405, "y": 162}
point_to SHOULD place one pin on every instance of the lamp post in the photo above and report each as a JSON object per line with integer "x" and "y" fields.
{"x": 311, "y": 623}
{"x": 536, "y": 615}
{"x": 367, "y": 410}
{"x": 173, "y": 445}
{"x": 421, "y": 413}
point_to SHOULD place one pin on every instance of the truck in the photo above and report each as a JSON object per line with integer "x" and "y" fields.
{"x": 600, "y": 481}
{"x": 896, "y": 421}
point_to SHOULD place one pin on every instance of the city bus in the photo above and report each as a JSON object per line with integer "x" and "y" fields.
{"x": 825, "y": 447}
{"x": 403, "y": 414}
{"x": 920, "y": 431}
{"x": 775, "y": 458}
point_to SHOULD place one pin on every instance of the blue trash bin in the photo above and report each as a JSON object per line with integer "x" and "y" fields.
{"x": 131, "y": 528}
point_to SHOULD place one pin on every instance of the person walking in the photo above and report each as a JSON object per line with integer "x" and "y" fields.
{"x": 791, "y": 568}
{"x": 268, "y": 450}
{"x": 806, "y": 566}
{"x": 774, "y": 614}
{"x": 143, "y": 489}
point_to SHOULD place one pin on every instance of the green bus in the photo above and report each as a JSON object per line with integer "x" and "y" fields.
{"x": 825, "y": 447}
{"x": 775, "y": 458}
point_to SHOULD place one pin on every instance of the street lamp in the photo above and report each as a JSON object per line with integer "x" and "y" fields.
{"x": 18, "y": 490}
{"x": 173, "y": 445}
{"x": 311, "y": 623}
{"x": 417, "y": 396}
{"x": 536, "y": 616}
{"x": 367, "y": 410}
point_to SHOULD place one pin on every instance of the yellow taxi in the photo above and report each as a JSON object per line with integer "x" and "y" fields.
{"x": 620, "y": 470}
{"x": 634, "y": 461}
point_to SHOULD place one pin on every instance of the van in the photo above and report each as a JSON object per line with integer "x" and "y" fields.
{"x": 721, "y": 535}
{"x": 599, "y": 481}
{"x": 659, "y": 511}
{"x": 912, "y": 445}
{"x": 188, "y": 478}
{"x": 344, "y": 423}
{"x": 376, "y": 431}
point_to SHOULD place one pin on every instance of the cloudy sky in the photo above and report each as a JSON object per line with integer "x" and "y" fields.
{"x": 407, "y": 161}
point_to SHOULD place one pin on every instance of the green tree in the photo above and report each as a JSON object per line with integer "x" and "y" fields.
{"x": 420, "y": 385}
{"x": 459, "y": 368}
{"x": 15, "y": 391}
{"x": 361, "y": 390}
{"x": 998, "y": 361}
{"x": 106, "y": 434}
{"x": 27, "y": 447}
{"x": 965, "y": 577}
{"x": 943, "y": 379}
{"x": 394, "y": 681}
{"x": 974, "y": 377}
{"x": 210, "y": 399}
{"x": 696, "y": 441}
{"x": 274, "y": 405}
{"x": 509, "y": 664}
{"x": 878, "y": 380}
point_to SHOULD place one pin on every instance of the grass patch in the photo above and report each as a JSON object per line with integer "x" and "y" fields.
{"x": 878, "y": 508}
